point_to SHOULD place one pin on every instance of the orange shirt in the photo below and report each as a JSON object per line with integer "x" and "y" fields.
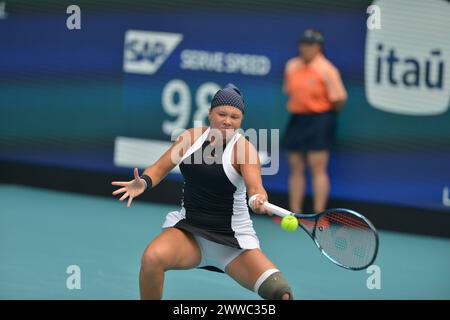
{"x": 313, "y": 87}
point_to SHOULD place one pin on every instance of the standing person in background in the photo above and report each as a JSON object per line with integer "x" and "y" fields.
{"x": 316, "y": 94}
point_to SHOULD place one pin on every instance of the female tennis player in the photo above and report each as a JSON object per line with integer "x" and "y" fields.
{"x": 213, "y": 229}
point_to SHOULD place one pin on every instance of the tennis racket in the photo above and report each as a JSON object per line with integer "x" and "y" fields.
{"x": 345, "y": 237}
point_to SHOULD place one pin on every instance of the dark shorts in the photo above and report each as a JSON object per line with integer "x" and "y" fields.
{"x": 310, "y": 132}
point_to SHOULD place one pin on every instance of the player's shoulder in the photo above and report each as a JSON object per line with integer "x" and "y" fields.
{"x": 192, "y": 134}
{"x": 245, "y": 152}
{"x": 243, "y": 144}
{"x": 243, "y": 139}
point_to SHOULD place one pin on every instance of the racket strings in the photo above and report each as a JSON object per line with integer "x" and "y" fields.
{"x": 348, "y": 240}
{"x": 348, "y": 221}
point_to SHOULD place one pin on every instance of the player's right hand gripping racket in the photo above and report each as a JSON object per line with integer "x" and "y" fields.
{"x": 344, "y": 236}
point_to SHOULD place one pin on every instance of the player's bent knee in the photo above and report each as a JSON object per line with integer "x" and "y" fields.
{"x": 152, "y": 259}
{"x": 271, "y": 285}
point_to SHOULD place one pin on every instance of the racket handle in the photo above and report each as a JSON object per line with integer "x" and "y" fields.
{"x": 271, "y": 207}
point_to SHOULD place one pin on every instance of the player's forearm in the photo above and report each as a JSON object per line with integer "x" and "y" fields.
{"x": 156, "y": 174}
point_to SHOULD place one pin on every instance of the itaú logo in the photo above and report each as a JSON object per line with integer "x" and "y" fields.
{"x": 407, "y": 60}
{"x": 409, "y": 71}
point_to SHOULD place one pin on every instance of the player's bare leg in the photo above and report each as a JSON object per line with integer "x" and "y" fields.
{"x": 172, "y": 249}
{"x": 248, "y": 267}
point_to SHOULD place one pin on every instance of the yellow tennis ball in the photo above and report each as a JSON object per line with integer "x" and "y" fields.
{"x": 289, "y": 223}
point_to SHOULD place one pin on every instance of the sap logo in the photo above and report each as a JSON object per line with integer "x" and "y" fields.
{"x": 146, "y": 51}
{"x": 407, "y": 61}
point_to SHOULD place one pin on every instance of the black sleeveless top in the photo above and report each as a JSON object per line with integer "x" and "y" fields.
{"x": 208, "y": 197}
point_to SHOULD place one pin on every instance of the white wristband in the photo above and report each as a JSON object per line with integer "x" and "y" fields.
{"x": 252, "y": 198}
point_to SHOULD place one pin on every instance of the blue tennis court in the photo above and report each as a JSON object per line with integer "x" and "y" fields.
{"x": 43, "y": 232}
